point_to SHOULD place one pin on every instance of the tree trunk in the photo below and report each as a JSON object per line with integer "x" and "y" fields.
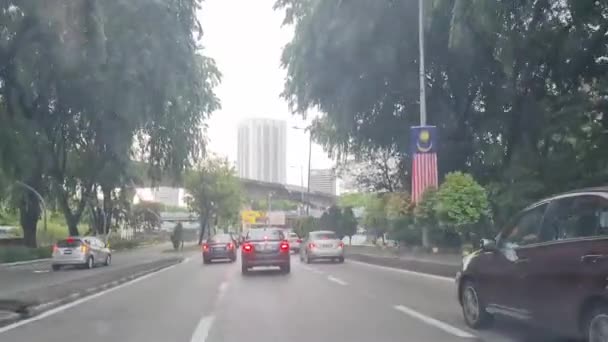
{"x": 350, "y": 240}
{"x": 29, "y": 212}
{"x": 72, "y": 225}
{"x": 201, "y": 235}
{"x": 107, "y": 208}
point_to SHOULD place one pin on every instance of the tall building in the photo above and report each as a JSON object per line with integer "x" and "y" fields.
{"x": 262, "y": 150}
{"x": 323, "y": 181}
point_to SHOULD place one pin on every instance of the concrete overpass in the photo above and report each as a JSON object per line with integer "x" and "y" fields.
{"x": 260, "y": 190}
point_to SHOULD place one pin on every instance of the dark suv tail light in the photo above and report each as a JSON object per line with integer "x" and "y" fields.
{"x": 247, "y": 247}
{"x": 230, "y": 246}
{"x": 299, "y": 240}
{"x": 205, "y": 247}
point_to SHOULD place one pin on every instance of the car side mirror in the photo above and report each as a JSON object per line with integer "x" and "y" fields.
{"x": 488, "y": 245}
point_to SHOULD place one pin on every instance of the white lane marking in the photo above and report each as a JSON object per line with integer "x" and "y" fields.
{"x": 222, "y": 290}
{"x": 436, "y": 323}
{"x": 398, "y": 270}
{"x": 337, "y": 280}
{"x": 42, "y": 271}
{"x": 80, "y": 301}
{"x": 202, "y": 329}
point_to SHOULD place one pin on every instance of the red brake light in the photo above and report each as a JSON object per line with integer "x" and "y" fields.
{"x": 70, "y": 240}
{"x": 341, "y": 244}
{"x": 284, "y": 246}
{"x": 299, "y": 240}
{"x": 311, "y": 245}
{"x": 205, "y": 247}
{"x": 247, "y": 247}
{"x": 230, "y": 246}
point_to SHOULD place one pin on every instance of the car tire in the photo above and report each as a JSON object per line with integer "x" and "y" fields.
{"x": 244, "y": 269}
{"x": 308, "y": 259}
{"x": 90, "y": 263}
{"x": 596, "y": 318}
{"x": 473, "y": 306}
{"x": 56, "y": 267}
{"x": 286, "y": 269}
{"x": 341, "y": 260}
{"x": 206, "y": 261}
{"x": 108, "y": 261}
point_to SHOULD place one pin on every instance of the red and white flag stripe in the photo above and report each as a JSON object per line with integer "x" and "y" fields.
{"x": 424, "y": 174}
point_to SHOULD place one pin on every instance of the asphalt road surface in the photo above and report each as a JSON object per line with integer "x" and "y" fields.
{"x": 192, "y": 302}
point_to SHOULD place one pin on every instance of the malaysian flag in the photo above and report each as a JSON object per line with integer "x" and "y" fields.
{"x": 424, "y": 160}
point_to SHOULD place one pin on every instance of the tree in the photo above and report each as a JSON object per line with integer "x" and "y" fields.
{"x": 81, "y": 81}
{"x": 348, "y": 224}
{"x": 461, "y": 204}
{"x": 517, "y": 90}
{"x": 331, "y": 220}
{"x": 214, "y": 191}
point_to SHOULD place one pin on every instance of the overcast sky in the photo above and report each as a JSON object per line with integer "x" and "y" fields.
{"x": 245, "y": 38}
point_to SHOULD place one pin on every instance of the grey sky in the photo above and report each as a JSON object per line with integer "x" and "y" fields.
{"x": 245, "y": 38}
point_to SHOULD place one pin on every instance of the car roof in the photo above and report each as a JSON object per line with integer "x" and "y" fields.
{"x": 590, "y": 190}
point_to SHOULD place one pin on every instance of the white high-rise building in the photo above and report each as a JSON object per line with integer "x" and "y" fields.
{"x": 262, "y": 150}
{"x": 323, "y": 181}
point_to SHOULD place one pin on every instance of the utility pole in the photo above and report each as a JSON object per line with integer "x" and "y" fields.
{"x": 421, "y": 63}
{"x": 308, "y": 183}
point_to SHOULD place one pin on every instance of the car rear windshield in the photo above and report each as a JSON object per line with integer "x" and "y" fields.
{"x": 68, "y": 243}
{"x": 323, "y": 236}
{"x": 293, "y": 235}
{"x": 265, "y": 234}
{"x": 223, "y": 238}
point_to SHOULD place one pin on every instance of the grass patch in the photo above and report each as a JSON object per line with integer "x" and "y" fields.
{"x": 20, "y": 253}
{"x": 121, "y": 245}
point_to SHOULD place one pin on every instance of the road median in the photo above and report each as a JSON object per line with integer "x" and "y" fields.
{"x": 441, "y": 265}
{"x": 36, "y": 301}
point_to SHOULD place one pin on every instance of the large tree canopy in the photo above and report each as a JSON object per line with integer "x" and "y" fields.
{"x": 88, "y": 85}
{"x": 517, "y": 89}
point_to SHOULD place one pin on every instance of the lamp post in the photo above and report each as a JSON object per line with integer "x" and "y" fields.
{"x": 40, "y": 198}
{"x": 309, "y": 157}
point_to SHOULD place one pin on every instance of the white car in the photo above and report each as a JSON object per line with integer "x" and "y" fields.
{"x": 320, "y": 245}
{"x": 294, "y": 241}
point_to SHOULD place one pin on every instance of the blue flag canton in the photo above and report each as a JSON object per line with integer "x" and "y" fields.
{"x": 423, "y": 139}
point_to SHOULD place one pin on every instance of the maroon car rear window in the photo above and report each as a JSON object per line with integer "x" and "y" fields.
{"x": 224, "y": 238}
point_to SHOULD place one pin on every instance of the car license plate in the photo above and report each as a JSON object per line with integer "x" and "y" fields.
{"x": 218, "y": 249}
{"x": 68, "y": 251}
{"x": 327, "y": 246}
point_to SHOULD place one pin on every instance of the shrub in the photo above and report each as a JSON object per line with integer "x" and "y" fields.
{"x": 118, "y": 244}
{"x": 461, "y": 205}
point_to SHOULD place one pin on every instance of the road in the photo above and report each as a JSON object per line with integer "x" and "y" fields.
{"x": 214, "y": 303}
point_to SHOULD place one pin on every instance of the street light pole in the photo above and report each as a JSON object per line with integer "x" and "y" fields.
{"x": 309, "y": 159}
{"x": 27, "y": 187}
{"x": 308, "y": 182}
{"x": 421, "y": 64}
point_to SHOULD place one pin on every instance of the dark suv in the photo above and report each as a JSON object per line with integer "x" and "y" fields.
{"x": 548, "y": 267}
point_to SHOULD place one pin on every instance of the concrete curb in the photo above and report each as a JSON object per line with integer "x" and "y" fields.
{"x": 37, "y": 309}
{"x": 444, "y": 270}
{"x": 26, "y": 262}
{"x": 7, "y": 318}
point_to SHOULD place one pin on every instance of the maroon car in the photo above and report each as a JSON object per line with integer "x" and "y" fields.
{"x": 548, "y": 267}
{"x": 220, "y": 246}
